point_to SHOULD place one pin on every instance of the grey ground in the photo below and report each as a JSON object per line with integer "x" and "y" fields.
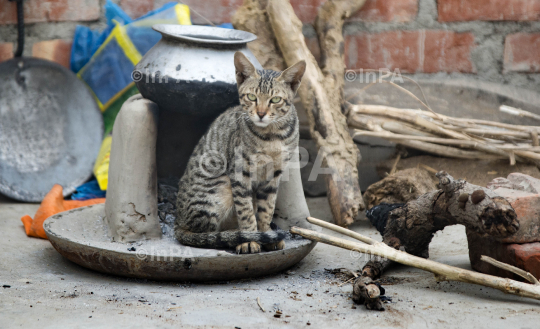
{"x": 48, "y": 291}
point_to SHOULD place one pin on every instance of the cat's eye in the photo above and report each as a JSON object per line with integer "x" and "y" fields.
{"x": 252, "y": 97}
{"x": 275, "y": 99}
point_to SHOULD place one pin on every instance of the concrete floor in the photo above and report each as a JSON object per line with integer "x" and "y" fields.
{"x": 48, "y": 291}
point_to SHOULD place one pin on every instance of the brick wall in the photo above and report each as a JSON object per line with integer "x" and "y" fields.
{"x": 494, "y": 40}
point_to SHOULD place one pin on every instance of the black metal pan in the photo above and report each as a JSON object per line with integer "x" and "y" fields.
{"x": 50, "y": 126}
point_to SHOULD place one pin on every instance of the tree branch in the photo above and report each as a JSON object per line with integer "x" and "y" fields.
{"x": 328, "y": 126}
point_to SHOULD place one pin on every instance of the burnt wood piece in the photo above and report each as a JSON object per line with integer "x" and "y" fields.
{"x": 412, "y": 226}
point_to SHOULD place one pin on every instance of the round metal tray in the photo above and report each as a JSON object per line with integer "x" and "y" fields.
{"x": 81, "y": 235}
{"x": 50, "y": 129}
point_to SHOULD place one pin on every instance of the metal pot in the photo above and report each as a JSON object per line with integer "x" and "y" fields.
{"x": 190, "y": 75}
{"x": 190, "y": 70}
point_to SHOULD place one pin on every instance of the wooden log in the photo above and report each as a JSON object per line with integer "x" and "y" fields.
{"x": 328, "y": 125}
{"x": 329, "y": 27}
{"x": 252, "y": 17}
{"x": 457, "y": 202}
{"x": 401, "y": 187}
{"x": 411, "y": 227}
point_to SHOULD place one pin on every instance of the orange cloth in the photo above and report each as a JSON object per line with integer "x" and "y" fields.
{"x": 53, "y": 203}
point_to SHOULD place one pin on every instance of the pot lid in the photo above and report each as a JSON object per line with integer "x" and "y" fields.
{"x": 205, "y": 34}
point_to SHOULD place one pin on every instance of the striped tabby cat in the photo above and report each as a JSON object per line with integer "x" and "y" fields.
{"x": 227, "y": 195}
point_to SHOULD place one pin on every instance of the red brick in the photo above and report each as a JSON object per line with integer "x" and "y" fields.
{"x": 51, "y": 11}
{"x": 137, "y": 8}
{"x": 387, "y": 11}
{"x": 6, "y": 51}
{"x": 411, "y": 51}
{"x": 521, "y": 52}
{"x": 58, "y": 51}
{"x": 488, "y": 10}
{"x": 217, "y": 11}
{"x": 525, "y": 256}
{"x": 372, "y": 11}
{"x": 448, "y": 52}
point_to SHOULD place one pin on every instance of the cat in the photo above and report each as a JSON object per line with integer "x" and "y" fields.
{"x": 226, "y": 198}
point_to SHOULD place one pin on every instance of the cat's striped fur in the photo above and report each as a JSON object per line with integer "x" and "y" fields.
{"x": 227, "y": 195}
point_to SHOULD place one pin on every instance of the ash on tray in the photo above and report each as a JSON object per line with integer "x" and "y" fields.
{"x": 167, "y": 208}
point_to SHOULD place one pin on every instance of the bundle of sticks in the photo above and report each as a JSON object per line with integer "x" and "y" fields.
{"x": 447, "y": 136}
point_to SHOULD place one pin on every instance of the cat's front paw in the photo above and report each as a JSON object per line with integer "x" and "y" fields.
{"x": 248, "y": 247}
{"x": 274, "y": 246}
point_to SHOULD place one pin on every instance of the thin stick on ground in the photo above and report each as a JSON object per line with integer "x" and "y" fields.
{"x": 518, "y": 112}
{"x": 394, "y": 167}
{"x": 343, "y": 283}
{"x": 428, "y": 168}
{"x": 442, "y": 272}
{"x": 259, "y": 303}
{"x": 342, "y": 230}
{"x": 524, "y": 274}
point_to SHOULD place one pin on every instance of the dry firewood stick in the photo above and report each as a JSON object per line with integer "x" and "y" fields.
{"x": 438, "y": 140}
{"x": 527, "y": 154}
{"x": 342, "y": 230}
{"x": 365, "y": 122}
{"x": 450, "y": 151}
{"x": 394, "y": 125}
{"x": 358, "y": 108}
{"x": 414, "y": 119}
{"x": 519, "y": 147}
{"x": 435, "y": 140}
{"x": 442, "y": 272}
{"x": 518, "y": 112}
{"x": 497, "y": 133}
{"x": 534, "y": 138}
{"x": 400, "y": 128}
{"x": 397, "y": 127}
{"x": 488, "y": 148}
{"x": 495, "y": 124}
{"x": 524, "y": 274}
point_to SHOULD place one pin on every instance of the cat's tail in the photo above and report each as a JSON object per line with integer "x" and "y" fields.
{"x": 227, "y": 239}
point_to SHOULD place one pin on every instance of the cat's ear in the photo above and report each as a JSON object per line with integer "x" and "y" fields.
{"x": 293, "y": 75}
{"x": 244, "y": 68}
